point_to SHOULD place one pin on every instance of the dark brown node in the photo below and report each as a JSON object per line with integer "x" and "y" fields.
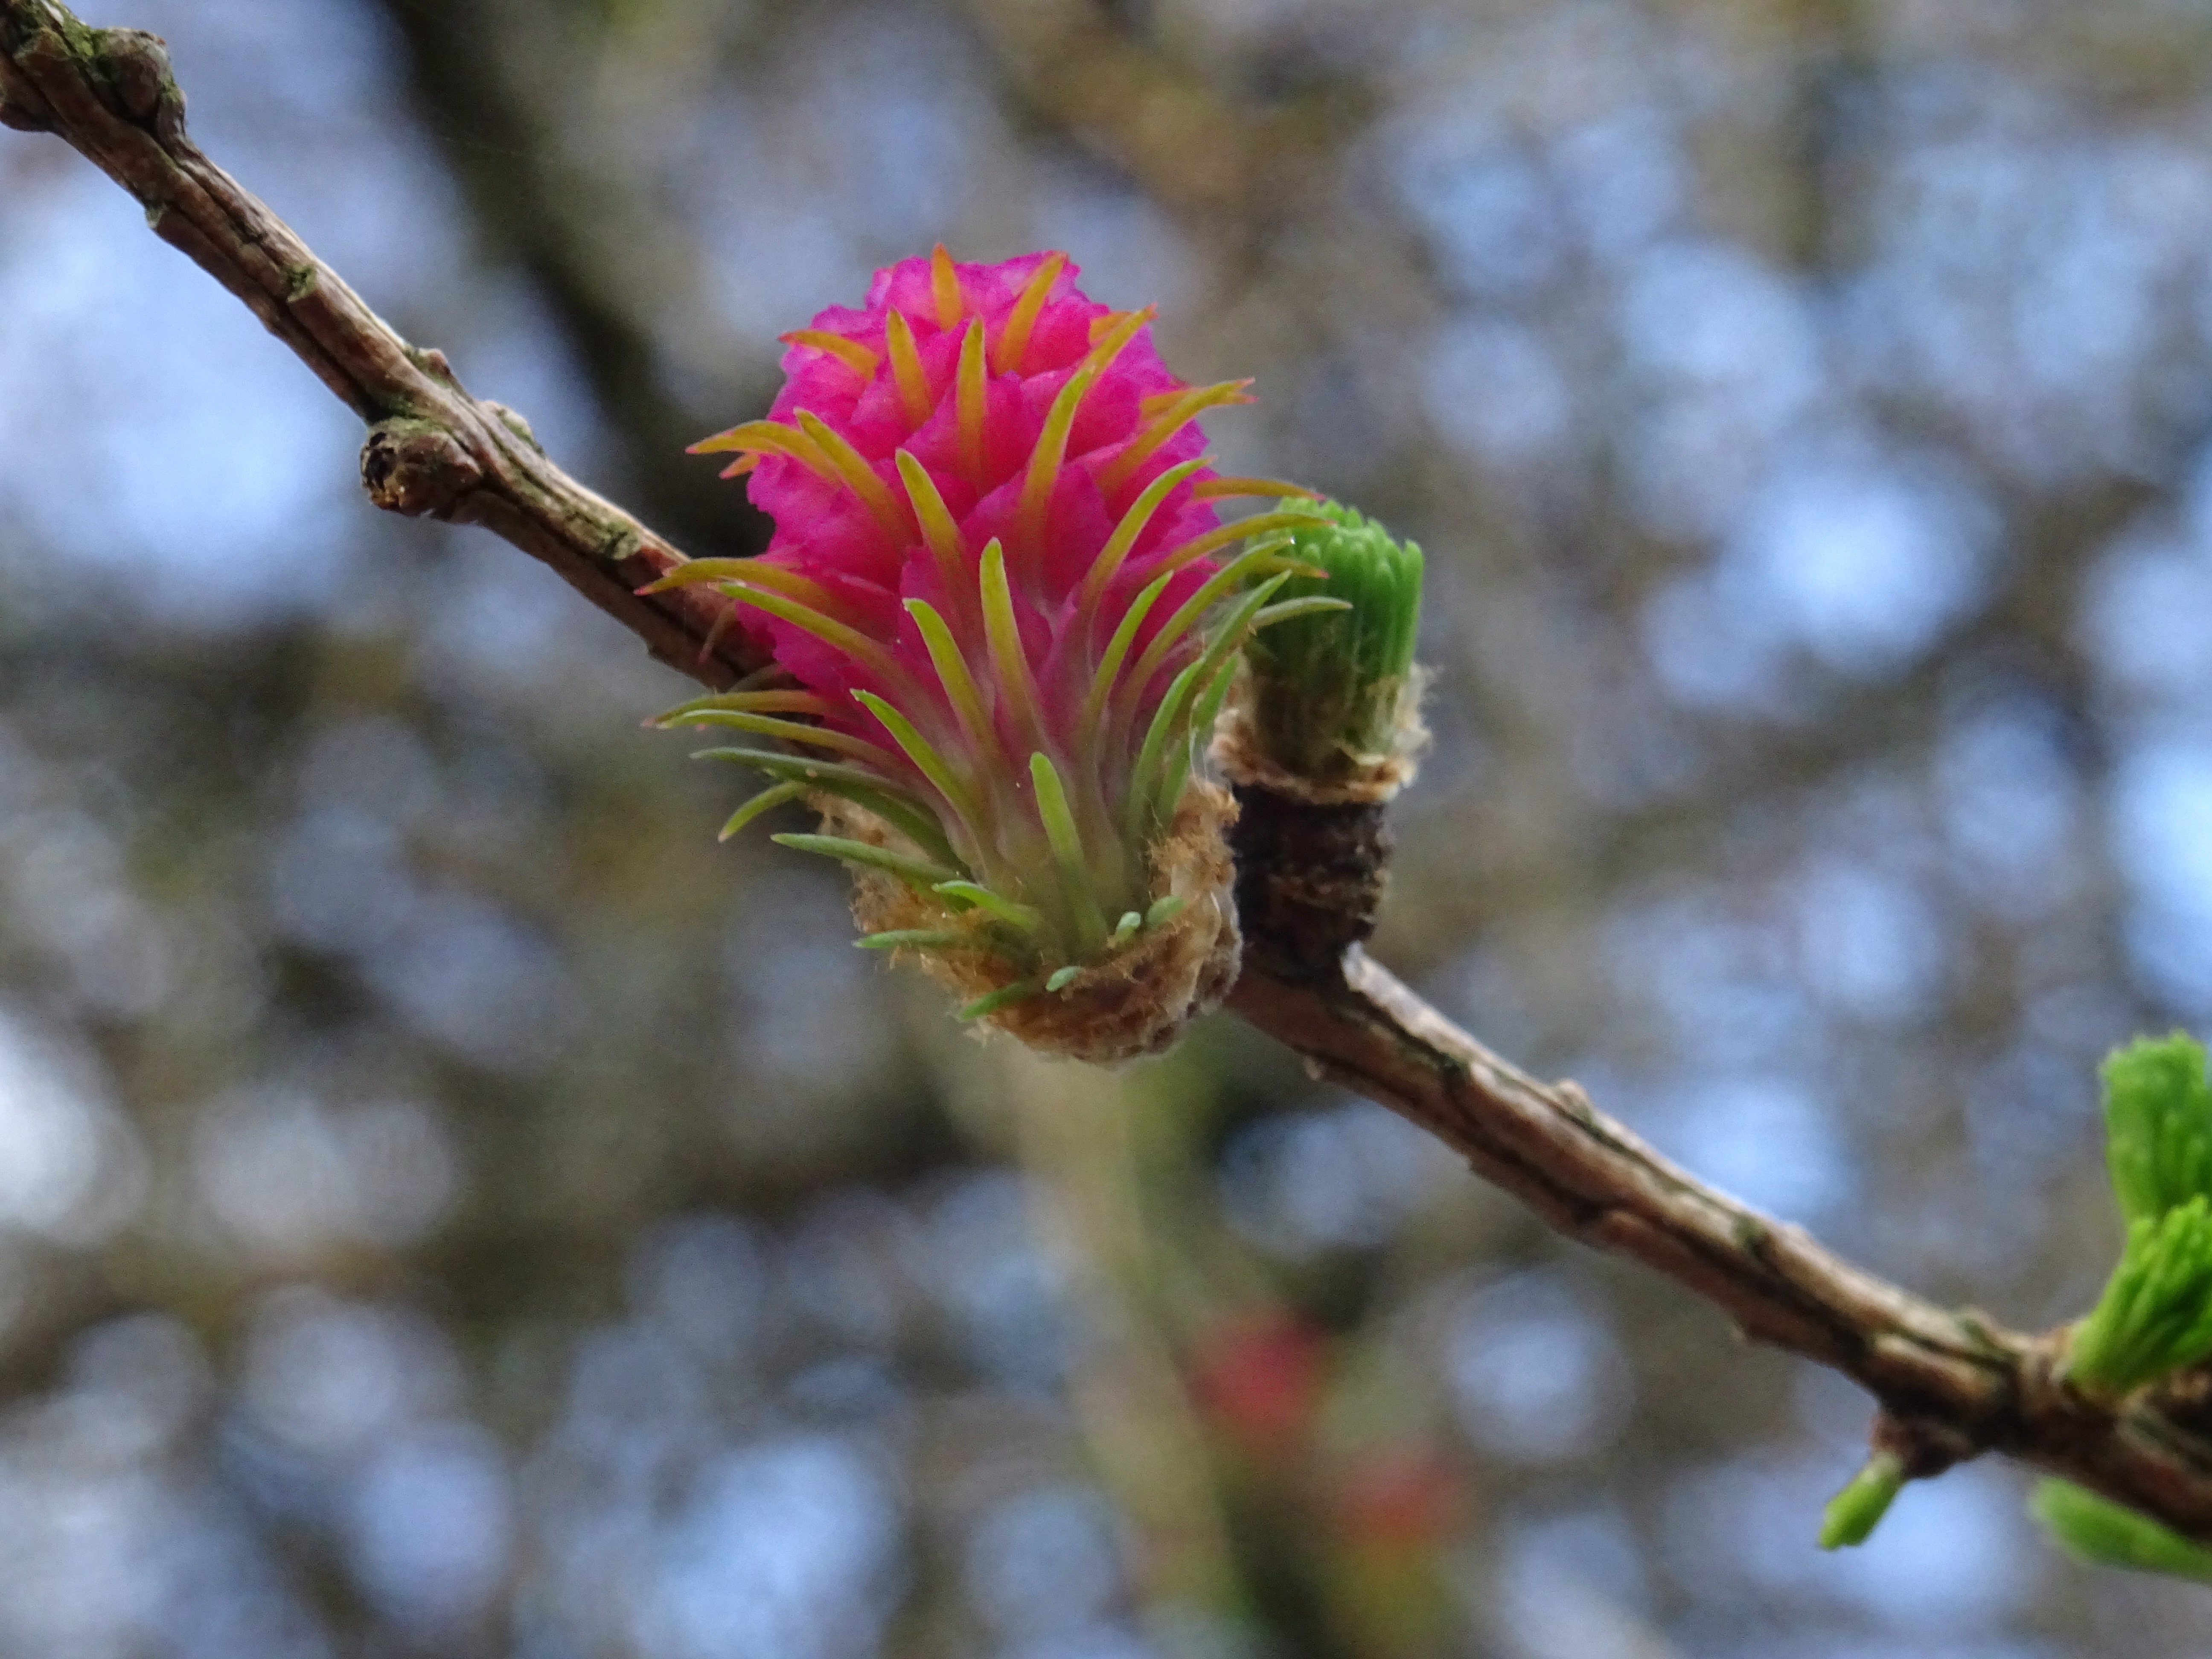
{"x": 2185, "y": 1399}
{"x": 1923, "y": 1447}
{"x": 1310, "y": 878}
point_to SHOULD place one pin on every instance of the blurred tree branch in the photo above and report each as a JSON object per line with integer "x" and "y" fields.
{"x": 602, "y": 266}
{"x": 1951, "y": 1384}
{"x": 1199, "y": 157}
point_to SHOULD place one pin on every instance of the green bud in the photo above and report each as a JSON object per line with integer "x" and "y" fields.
{"x": 2155, "y": 1314}
{"x": 2158, "y": 1124}
{"x": 1853, "y": 1513}
{"x": 2103, "y": 1533}
{"x": 1330, "y": 688}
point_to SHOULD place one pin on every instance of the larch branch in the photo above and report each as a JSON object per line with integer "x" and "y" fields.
{"x": 1951, "y": 1384}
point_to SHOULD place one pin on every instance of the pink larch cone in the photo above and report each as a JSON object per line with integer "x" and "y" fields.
{"x": 994, "y": 579}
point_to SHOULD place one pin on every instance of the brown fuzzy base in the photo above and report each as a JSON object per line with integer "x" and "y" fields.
{"x": 1136, "y": 1002}
{"x": 1363, "y": 779}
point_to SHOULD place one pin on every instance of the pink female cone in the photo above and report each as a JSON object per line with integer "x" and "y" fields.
{"x": 1001, "y": 587}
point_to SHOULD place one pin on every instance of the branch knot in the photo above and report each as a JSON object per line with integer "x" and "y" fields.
{"x": 1923, "y": 1446}
{"x": 416, "y": 468}
{"x": 137, "y": 67}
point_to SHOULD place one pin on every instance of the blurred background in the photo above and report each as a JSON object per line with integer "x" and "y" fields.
{"x": 448, "y": 1206}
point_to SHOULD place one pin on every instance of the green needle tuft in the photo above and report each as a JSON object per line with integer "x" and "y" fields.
{"x": 2105, "y": 1534}
{"x": 2158, "y": 1124}
{"x": 2155, "y": 1314}
{"x": 1330, "y": 685}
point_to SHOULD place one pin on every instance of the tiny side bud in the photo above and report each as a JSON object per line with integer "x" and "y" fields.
{"x": 137, "y": 65}
{"x": 1853, "y": 1513}
{"x": 415, "y": 468}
